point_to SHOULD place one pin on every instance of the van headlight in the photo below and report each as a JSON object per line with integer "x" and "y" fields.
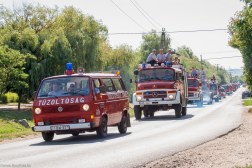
{"x": 139, "y": 98}
{"x": 171, "y": 96}
{"x": 37, "y": 110}
{"x": 85, "y": 107}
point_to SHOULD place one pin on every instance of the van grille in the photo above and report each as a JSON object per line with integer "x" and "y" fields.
{"x": 61, "y": 120}
{"x": 66, "y": 108}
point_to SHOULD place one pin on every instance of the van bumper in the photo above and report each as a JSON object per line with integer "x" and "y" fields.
{"x": 77, "y": 126}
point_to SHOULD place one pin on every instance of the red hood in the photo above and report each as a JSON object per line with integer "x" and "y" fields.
{"x": 193, "y": 88}
{"x": 155, "y": 85}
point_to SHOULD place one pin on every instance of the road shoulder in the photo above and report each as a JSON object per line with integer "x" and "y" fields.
{"x": 231, "y": 150}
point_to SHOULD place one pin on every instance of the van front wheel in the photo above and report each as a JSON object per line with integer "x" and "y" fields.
{"x": 48, "y": 136}
{"x": 102, "y": 129}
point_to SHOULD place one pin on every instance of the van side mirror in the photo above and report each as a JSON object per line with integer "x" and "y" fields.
{"x": 34, "y": 94}
{"x": 130, "y": 80}
{"x": 135, "y": 72}
{"x": 102, "y": 89}
{"x": 200, "y": 84}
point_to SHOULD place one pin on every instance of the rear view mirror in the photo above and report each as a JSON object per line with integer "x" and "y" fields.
{"x": 130, "y": 80}
{"x": 102, "y": 89}
{"x": 183, "y": 78}
{"x": 200, "y": 84}
{"x": 135, "y": 72}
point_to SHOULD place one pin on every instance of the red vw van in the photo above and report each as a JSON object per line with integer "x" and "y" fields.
{"x": 77, "y": 102}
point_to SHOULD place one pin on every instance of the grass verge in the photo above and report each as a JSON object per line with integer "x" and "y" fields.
{"x": 131, "y": 110}
{"x": 10, "y": 129}
{"x": 247, "y": 102}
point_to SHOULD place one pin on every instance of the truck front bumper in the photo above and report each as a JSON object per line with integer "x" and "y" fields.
{"x": 76, "y": 126}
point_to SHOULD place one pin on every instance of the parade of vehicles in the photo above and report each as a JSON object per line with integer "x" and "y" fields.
{"x": 160, "y": 88}
{"x": 80, "y": 102}
{"x": 195, "y": 94}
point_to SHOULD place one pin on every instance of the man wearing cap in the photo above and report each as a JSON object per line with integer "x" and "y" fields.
{"x": 161, "y": 57}
{"x": 56, "y": 91}
{"x": 152, "y": 59}
{"x": 168, "y": 56}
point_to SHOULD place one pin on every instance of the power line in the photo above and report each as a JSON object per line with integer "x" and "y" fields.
{"x": 192, "y": 31}
{"x": 217, "y": 52}
{"x": 222, "y": 57}
{"x": 128, "y": 15}
{"x": 143, "y": 14}
{"x": 147, "y": 14}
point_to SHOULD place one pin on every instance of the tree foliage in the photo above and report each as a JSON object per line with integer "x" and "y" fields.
{"x": 241, "y": 37}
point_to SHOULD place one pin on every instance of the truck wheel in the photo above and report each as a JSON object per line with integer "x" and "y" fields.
{"x": 146, "y": 113}
{"x": 48, "y": 136}
{"x": 75, "y": 134}
{"x": 122, "y": 127}
{"x": 217, "y": 99}
{"x": 178, "y": 110}
{"x": 152, "y": 113}
{"x": 184, "y": 111}
{"x": 102, "y": 129}
{"x": 138, "y": 112}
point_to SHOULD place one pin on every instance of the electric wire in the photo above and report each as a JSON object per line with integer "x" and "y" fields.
{"x": 143, "y": 14}
{"x": 147, "y": 13}
{"x": 128, "y": 15}
{"x": 222, "y": 58}
{"x": 190, "y": 31}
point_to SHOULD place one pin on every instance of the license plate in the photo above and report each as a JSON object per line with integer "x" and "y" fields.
{"x": 60, "y": 127}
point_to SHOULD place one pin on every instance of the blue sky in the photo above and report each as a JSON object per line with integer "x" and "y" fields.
{"x": 173, "y": 15}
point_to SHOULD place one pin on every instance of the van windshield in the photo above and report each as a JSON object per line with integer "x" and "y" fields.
{"x": 64, "y": 86}
{"x": 156, "y": 74}
{"x": 204, "y": 86}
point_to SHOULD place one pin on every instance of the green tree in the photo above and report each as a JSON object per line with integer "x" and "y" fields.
{"x": 12, "y": 71}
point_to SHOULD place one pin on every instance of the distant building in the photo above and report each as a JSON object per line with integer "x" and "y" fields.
{"x": 235, "y": 72}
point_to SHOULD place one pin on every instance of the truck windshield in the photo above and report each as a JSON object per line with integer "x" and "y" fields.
{"x": 193, "y": 83}
{"x": 156, "y": 74}
{"x": 213, "y": 87}
{"x": 225, "y": 87}
{"x": 204, "y": 86}
{"x": 67, "y": 86}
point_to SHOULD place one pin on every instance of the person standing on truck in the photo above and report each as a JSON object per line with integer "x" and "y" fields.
{"x": 168, "y": 56}
{"x": 203, "y": 72}
{"x": 152, "y": 59}
{"x": 56, "y": 90}
{"x": 161, "y": 57}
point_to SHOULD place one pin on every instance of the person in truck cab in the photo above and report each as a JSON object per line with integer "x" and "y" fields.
{"x": 96, "y": 86}
{"x": 56, "y": 90}
{"x": 154, "y": 76}
{"x": 152, "y": 59}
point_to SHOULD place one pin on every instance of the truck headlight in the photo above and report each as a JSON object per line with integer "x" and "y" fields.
{"x": 85, "y": 107}
{"x": 171, "y": 96}
{"x": 37, "y": 110}
{"x": 139, "y": 98}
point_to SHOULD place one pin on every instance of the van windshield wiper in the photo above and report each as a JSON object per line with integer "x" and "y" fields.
{"x": 47, "y": 96}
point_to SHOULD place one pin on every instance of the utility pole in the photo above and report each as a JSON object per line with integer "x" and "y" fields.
{"x": 163, "y": 45}
{"x": 201, "y": 60}
{"x": 217, "y": 66}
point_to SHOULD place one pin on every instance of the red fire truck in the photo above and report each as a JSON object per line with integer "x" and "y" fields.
{"x": 195, "y": 94}
{"x": 160, "y": 88}
{"x": 77, "y": 102}
{"x": 228, "y": 89}
{"x": 214, "y": 88}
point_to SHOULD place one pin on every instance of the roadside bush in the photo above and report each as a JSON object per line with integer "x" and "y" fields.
{"x": 11, "y": 97}
{"x": 3, "y": 98}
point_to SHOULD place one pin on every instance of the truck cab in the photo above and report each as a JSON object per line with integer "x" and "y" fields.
{"x": 160, "y": 88}
{"x": 195, "y": 94}
{"x": 228, "y": 89}
{"x": 81, "y": 102}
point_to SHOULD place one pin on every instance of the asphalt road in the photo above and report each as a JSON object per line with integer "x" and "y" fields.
{"x": 147, "y": 140}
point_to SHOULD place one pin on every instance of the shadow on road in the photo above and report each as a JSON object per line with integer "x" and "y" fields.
{"x": 81, "y": 139}
{"x": 165, "y": 118}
